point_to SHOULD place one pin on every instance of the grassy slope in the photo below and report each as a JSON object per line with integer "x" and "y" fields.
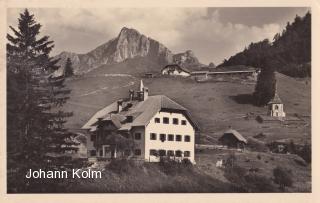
{"x": 211, "y": 104}
{"x": 213, "y": 108}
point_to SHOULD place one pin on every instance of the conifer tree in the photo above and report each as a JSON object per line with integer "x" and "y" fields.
{"x": 37, "y": 138}
{"x": 266, "y": 84}
{"x": 68, "y": 68}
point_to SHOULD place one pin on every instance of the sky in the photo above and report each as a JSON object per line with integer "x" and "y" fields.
{"x": 213, "y": 34}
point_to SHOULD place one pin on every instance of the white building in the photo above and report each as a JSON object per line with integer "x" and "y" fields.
{"x": 276, "y": 107}
{"x": 175, "y": 70}
{"x": 158, "y": 125}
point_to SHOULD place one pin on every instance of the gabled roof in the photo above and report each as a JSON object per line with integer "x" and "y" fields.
{"x": 236, "y": 134}
{"x": 100, "y": 114}
{"x": 275, "y": 100}
{"x": 142, "y": 112}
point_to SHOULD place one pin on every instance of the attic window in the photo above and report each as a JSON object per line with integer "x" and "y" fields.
{"x": 183, "y": 122}
{"x": 157, "y": 120}
{"x": 129, "y": 119}
{"x": 165, "y": 120}
{"x": 175, "y": 121}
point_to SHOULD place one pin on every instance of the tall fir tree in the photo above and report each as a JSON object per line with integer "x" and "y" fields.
{"x": 37, "y": 138}
{"x": 266, "y": 84}
{"x": 68, "y": 70}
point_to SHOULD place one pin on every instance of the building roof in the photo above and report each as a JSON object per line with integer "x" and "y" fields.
{"x": 236, "y": 134}
{"x": 233, "y": 68}
{"x": 141, "y": 112}
{"x": 178, "y": 66}
{"x": 275, "y": 100}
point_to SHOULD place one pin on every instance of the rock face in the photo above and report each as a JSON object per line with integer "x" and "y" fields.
{"x": 187, "y": 59}
{"x": 127, "y": 45}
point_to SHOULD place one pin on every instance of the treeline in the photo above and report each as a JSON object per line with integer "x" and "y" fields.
{"x": 289, "y": 53}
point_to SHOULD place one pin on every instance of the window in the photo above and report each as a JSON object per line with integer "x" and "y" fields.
{"x": 170, "y": 153}
{"x": 153, "y": 152}
{"x": 165, "y": 120}
{"x": 157, "y": 120}
{"x": 163, "y": 137}
{"x": 276, "y": 107}
{"x": 93, "y": 153}
{"x": 129, "y": 119}
{"x": 186, "y": 154}
{"x": 92, "y": 137}
{"x": 127, "y": 152}
{"x": 137, "y": 152}
{"x": 153, "y": 136}
{"x": 178, "y": 138}
{"x": 178, "y": 153}
{"x": 187, "y": 138}
{"x": 162, "y": 152}
{"x": 175, "y": 121}
{"x": 183, "y": 122}
{"x": 170, "y": 137}
{"x": 137, "y": 136}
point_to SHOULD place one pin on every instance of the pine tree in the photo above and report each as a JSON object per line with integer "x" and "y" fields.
{"x": 37, "y": 138}
{"x": 68, "y": 68}
{"x": 266, "y": 85}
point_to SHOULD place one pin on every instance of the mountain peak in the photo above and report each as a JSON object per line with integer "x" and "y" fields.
{"x": 128, "y": 31}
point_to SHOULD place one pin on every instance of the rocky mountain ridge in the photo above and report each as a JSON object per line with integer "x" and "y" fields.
{"x": 127, "y": 45}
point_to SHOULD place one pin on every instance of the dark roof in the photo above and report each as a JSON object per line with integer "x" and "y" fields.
{"x": 233, "y": 68}
{"x": 236, "y": 134}
{"x": 141, "y": 112}
{"x": 178, "y": 66}
{"x": 276, "y": 99}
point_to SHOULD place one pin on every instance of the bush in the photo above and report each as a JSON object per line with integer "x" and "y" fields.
{"x": 172, "y": 167}
{"x": 258, "y": 156}
{"x": 256, "y": 145}
{"x": 258, "y": 183}
{"x": 305, "y": 153}
{"x": 120, "y": 166}
{"x": 283, "y": 177}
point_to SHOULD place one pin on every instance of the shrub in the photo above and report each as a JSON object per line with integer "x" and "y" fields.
{"x": 283, "y": 177}
{"x": 258, "y": 156}
{"x": 172, "y": 167}
{"x": 120, "y": 166}
{"x": 259, "y": 183}
{"x": 256, "y": 145}
{"x": 236, "y": 175}
{"x": 305, "y": 153}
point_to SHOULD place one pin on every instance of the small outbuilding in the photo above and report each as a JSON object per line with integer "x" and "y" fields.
{"x": 233, "y": 139}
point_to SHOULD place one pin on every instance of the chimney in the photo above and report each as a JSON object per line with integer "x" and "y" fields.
{"x": 119, "y": 109}
{"x": 131, "y": 94}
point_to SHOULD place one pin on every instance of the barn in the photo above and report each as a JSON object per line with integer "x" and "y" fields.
{"x": 233, "y": 139}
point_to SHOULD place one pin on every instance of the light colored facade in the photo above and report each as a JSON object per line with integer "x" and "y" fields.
{"x": 177, "y": 137}
{"x": 276, "y": 107}
{"x": 158, "y": 126}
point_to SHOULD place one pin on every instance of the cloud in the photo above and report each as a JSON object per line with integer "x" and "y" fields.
{"x": 199, "y": 29}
